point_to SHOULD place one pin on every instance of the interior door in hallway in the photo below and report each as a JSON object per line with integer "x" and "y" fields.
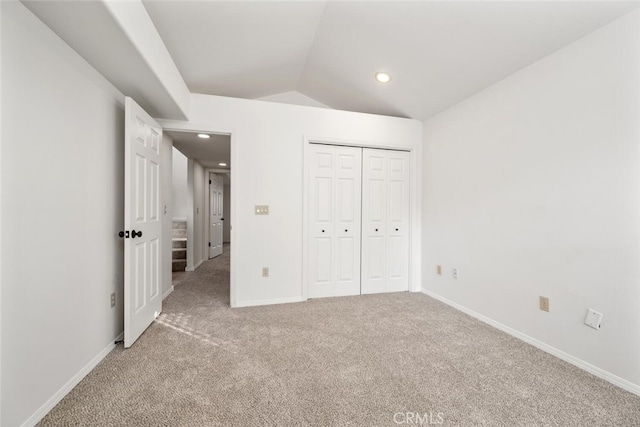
{"x": 216, "y": 193}
{"x": 385, "y": 221}
{"x": 142, "y": 243}
{"x": 334, "y": 220}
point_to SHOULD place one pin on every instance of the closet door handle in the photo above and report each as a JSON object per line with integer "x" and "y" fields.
{"x": 345, "y": 230}
{"x": 376, "y": 229}
{"x": 323, "y": 231}
{"x": 135, "y": 234}
{"x": 396, "y": 229}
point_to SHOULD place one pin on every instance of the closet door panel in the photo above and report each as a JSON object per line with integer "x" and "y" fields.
{"x": 398, "y": 222}
{"x": 335, "y": 207}
{"x": 385, "y": 219}
{"x": 374, "y": 217}
{"x": 348, "y": 199}
{"x": 321, "y": 220}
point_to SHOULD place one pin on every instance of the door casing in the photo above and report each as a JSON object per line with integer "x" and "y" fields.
{"x": 169, "y": 125}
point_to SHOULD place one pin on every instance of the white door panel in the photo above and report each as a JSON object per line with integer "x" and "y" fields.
{"x": 334, "y": 220}
{"x": 216, "y": 193}
{"x": 385, "y": 221}
{"x": 142, "y": 299}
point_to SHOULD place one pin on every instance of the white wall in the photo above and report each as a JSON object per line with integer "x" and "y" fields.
{"x": 166, "y": 184}
{"x": 179, "y": 170}
{"x": 267, "y": 157}
{"x": 195, "y": 215}
{"x": 295, "y": 98}
{"x": 226, "y": 213}
{"x": 531, "y": 188}
{"x": 0, "y": 222}
{"x": 62, "y": 207}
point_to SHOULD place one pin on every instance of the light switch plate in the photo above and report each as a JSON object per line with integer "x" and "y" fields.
{"x": 593, "y": 319}
{"x": 262, "y": 210}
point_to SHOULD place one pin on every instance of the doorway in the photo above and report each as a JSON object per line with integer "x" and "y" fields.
{"x": 201, "y": 174}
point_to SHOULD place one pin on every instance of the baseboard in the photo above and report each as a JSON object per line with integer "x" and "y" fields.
{"x": 166, "y": 294}
{"x": 65, "y": 389}
{"x": 273, "y": 301}
{"x": 179, "y": 219}
{"x": 586, "y": 366}
{"x": 195, "y": 267}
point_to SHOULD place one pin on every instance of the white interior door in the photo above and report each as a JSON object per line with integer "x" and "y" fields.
{"x": 334, "y": 220}
{"x": 142, "y": 249}
{"x": 216, "y": 193}
{"x": 385, "y": 221}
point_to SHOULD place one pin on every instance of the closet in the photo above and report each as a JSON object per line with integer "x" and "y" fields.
{"x": 358, "y": 218}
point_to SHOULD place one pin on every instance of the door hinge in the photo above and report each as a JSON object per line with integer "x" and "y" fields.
{"x": 209, "y": 244}
{"x": 209, "y": 182}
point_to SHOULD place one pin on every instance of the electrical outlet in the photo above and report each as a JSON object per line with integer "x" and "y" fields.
{"x": 439, "y": 269}
{"x": 262, "y": 209}
{"x": 593, "y": 319}
{"x": 265, "y": 271}
{"x": 454, "y": 273}
{"x": 544, "y": 303}
{"x": 113, "y": 300}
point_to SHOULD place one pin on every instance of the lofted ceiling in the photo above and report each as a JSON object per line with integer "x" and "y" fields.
{"x": 438, "y": 53}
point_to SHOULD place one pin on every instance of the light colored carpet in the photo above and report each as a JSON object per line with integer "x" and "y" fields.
{"x": 357, "y": 361}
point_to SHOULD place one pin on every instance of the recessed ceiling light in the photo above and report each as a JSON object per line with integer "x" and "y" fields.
{"x": 204, "y": 136}
{"x": 222, "y": 164}
{"x": 383, "y": 77}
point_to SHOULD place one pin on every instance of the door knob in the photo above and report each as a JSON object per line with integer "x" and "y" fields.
{"x": 345, "y": 230}
{"x": 135, "y": 234}
{"x": 323, "y": 231}
{"x": 376, "y": 229}
{"x": 221, "y": 219}
{"x": 124, "y": 234}
{"x": 396, "y": 229}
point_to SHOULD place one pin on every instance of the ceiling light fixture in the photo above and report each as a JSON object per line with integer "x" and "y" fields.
{"x": 204, "y": 136}
{"x": 222, "y": 164}
{"x": 382, "y": 77}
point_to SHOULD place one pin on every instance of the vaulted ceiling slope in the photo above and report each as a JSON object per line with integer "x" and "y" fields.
{"x": 438, "y": 53}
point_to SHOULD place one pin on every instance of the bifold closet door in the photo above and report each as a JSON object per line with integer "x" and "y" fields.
{"x": 385, "y": 221}
{"x": 334, "y": 220}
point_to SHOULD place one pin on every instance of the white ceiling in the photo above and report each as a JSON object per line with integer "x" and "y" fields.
{"x": 438, "y": 53}
{"x": 208, "y": 152}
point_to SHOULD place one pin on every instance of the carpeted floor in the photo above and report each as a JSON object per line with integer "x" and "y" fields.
{"x": 378, "y": 360}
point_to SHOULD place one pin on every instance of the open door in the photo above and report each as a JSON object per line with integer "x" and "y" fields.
{"x": 142, "y": 215}
{"x": 216, "y": 192}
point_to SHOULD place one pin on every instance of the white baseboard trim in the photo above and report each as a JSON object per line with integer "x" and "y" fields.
{"x": 254, "y": 303}
{"x": 586, "y": 366}
{"x": 195, "y": 267}
{"x": 65, "y": 389}
{"x": 166, "y": 294}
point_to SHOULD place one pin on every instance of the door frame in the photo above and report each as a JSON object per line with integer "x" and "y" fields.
{"x": 414, "y": 206}
{"x": 207, "y": 206}
{"x": 171, "y": 125}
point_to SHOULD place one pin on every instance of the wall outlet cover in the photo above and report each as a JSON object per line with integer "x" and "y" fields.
{"x": 544, "y": 303}
{"x": 593, "y": 319}
{"x": 262, "y": 209}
